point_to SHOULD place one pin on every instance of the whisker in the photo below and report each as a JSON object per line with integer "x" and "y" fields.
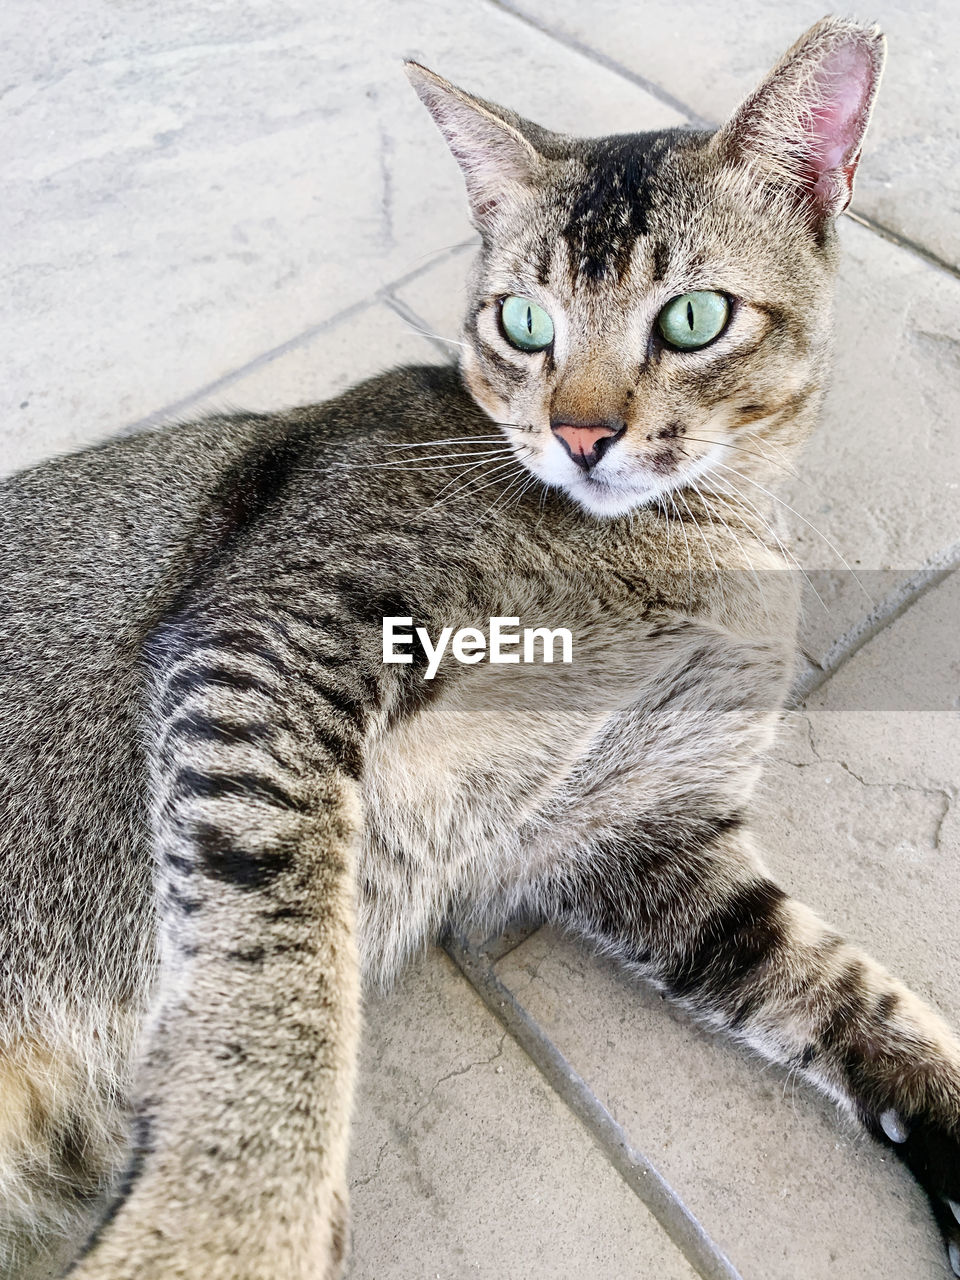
{"x": 440, "y": 499}
{"x": 415, "y": 464}
{"x": 786, "y": 505}
{"x": 511, "y": 485}
{"x": 662, "y": 509}
{"x": 511, "y": 456}
{"x": 497, "y": 480}
{"x": 790, "y": 467}
{"x": 666, "y": 516}
{"x": 726, "y": 444}
{"x": 706, "y": 543}
{"x": 760, "y": 441}
{"x": 686, "y": 542}
{"x": 425, "y": 333}
{"x": 512, "y": 490}
{"x": 425, "y": 444}
{"x": 526, "y": 488}
{"x": 788, "y": 555}
{"x": 435, "y": 253}
{"x": 733, "y": 535}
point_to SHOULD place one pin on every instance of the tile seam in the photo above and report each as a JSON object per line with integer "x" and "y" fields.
{"x": 893, "y": 606}
{"x": 381, "y": 295}
{"x": 418, "y": 325}
{"x": 640, "y": 1174}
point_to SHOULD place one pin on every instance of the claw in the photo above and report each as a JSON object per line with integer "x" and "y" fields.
{"x": 895, "y": 1129}
{"x": 953, "y": 1253}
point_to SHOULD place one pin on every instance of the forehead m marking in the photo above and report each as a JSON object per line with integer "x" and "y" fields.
{"x": 610, "y": 207}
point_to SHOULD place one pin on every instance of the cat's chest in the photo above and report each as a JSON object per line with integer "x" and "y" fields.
{"x": 506, "y": 773}
{"x": 485, "y": 782}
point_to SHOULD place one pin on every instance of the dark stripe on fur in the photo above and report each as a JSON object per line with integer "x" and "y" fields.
{"x": 187, "y": 906}
{"x": 70, "y": 1145}
{"x": 194, "y": 680}
{"x": 631, "y": 878}
{"x": 191, "y": 784}
{"x": 345, "y": 750}
{"x": 610, "y": 206}
{"x": 224, "y": 860}
{"x": 661, "y": 259}
{"x": 140, "y": 1148}
{"x": 248, "y": 642}
{"x": 739, "y": 935}
{"x": 338, "y": 699}
{"x": 196, "y": 726}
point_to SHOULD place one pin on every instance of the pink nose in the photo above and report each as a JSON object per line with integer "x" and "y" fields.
{"x": 586, "y": 445}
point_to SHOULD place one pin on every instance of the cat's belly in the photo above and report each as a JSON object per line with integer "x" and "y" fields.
{"x": 485, "y": 793}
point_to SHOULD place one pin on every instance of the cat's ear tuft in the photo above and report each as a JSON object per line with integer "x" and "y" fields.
{"x": 498, "y": 160}
{"x": 804, "y": 126}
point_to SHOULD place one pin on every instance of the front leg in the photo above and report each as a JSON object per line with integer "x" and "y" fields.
{"x": 686, "y": 901}
{"x": 239, "y": 1134}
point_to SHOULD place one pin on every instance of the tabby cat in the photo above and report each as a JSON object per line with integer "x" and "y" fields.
{"x": 223, "y": 811}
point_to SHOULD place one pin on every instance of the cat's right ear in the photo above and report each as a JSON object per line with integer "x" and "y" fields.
{"x": 499, "y": 162}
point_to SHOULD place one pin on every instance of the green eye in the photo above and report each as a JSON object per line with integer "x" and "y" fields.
{"x": 693, "y": 319}
{"x": 525, "y": 324}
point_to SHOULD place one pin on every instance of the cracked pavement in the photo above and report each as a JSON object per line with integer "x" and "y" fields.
{"x": 243, "y": 204}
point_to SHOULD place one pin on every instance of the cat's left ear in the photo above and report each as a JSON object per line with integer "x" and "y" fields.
{"x": 804, "y": 126}
{"x": 492, "y": 146}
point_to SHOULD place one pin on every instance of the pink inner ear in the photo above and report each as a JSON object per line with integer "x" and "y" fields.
{"x": 845, "y": 80}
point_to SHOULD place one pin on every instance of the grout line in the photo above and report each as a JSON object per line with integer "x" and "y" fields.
{"x": 891, "y": 607}
{"x": 610, "y": 64}
{"x": 419, "y": 326}
{"x": 643, "y": 1179}
{"x": 677, "y": 104}
{"x": 903, "y": 242}
{"x": 383, "y": 294}
{"x": 495, "y": 946}
{"x": 499, "y": 946}
{"x": 178, "y": 407}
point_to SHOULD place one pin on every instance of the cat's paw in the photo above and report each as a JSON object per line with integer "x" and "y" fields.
{"x": 930, "y": 1148}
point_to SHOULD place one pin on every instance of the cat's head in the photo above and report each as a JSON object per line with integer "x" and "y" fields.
{"x": 650, "y": 311}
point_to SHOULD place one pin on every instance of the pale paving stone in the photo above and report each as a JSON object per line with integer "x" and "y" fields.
{"x": 190, "y": 186}
{"x": 881, "y": 478}
{"x": 861, "y": 813}
{"x": 466, "y": 1164}
{"x": 368, "y": 343}
{"x": 711, "y": 57}
{"x": 857, "y": 818}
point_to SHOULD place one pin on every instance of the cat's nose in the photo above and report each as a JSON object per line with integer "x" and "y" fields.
{"x": 586, "y": 445}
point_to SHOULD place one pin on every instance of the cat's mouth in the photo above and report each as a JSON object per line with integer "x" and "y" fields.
{"x": 608, "y": 482}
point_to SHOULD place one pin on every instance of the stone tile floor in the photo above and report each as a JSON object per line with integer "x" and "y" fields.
{"x": 242, "y": 203}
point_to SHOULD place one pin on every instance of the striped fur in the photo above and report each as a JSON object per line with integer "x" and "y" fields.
{"x": 223, "y": 812}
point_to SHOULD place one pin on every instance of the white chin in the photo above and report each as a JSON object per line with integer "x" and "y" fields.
{"x": 591, "y": 492}
{"x": 605, "y": 500}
